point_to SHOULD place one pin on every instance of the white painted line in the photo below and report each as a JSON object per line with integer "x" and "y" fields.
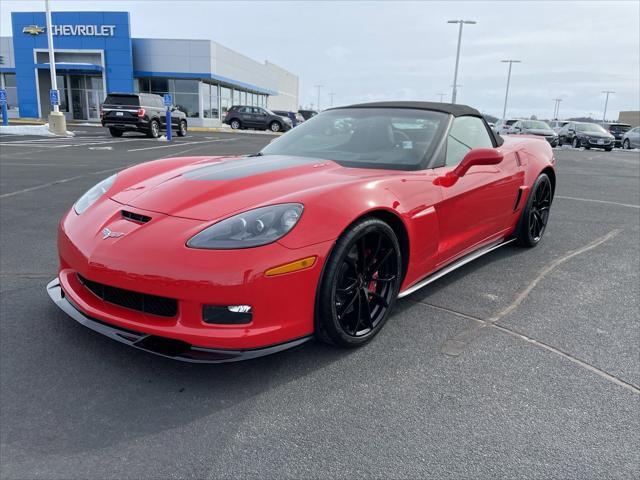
{"x": 606, "y": 202}
{"x": 33, "y": 145}
{"x": 181, "y": 144}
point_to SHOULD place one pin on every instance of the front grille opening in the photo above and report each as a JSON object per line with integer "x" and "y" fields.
{"x": 135, "y": 217}
{"x": 142, "y": 302}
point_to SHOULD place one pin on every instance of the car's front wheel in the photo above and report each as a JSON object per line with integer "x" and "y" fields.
{"x": 535, "y": 215}
{"x": 275, "y": 127}
{"x": 182, "y": 130}
{"x": 359, "y": 285}
{"x": 575, "y": 143}
{"x": 626, "y": 144}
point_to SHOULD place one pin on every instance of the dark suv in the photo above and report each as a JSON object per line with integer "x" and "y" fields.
{"x": 617, "y": 130}
{"x": 243, "y": 116}
{"x": 587, "y": 135}
{"x": 140, "y": 112}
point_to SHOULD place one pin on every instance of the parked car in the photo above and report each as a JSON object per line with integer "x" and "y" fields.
{"x": 504, "y": 126}
{"x": 244, "y": 116}
{"x": 139, "y": 112}
{"x": 587, "y": 135}
{"x": 307, "y": 114}
{"x": 295, "y": 117}
{"x": 617, "y": 130}
{"x": 535, "y": 127}
{"x": 631, "y": 139}
{"x": 556, "y": 125}
{"x": 224, "y": 259}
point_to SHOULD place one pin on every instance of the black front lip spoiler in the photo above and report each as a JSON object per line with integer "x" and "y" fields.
{"x": 163, "y": 346}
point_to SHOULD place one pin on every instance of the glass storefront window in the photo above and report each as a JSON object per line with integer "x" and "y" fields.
{"x": 188, "y": 103}
{"x": 159, "y": 84}
{"x": 186, "y": 86}
{"x": 12, "y": 92}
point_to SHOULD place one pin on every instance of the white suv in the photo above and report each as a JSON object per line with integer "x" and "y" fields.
{"x": 504, "y": 126}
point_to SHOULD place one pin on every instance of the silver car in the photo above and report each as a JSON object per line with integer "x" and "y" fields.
{"x": 631, "y": 139}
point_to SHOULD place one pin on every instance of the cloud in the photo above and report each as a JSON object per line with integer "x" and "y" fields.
{"x": 337, "y": 53}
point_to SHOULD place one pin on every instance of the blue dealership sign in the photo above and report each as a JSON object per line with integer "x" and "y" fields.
{"x": 55, "y": 97}
{"x": 3, "y": 96}
{"x": 168, "y": 100}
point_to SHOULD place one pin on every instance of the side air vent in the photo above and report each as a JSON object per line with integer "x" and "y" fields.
{"x": 135, "y": 217}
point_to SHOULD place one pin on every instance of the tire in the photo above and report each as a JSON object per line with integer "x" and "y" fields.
{"x": 235, "y": 124}
{"x": 608, "y": 149}
{"x": 182, "y": 129}
{"x": 154, "y": 129}
{"x": 275, "y": 126}
{"x": 559, "y": 142}
{"x": 359, "y": 284}
{"x": 535, "y": 216}
{"x": 626, "y": 144}
{"x": 575, "y": 143}
{"x": 115, "y": 132}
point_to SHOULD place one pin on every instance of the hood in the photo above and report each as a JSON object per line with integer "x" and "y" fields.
{"x": 539, "y": 131}
{"x": 223, "y": 186}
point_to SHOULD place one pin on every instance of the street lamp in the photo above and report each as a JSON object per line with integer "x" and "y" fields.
{"x": 442, "y": 95}
{"x": 506, "y": 95}
{"x": 606, "y": 102}
{"x": 331, "y": 95}
{"x": 556, "y": 108}
{"x": 57, "y": 121}
{"x": 318, "y": 87}
{"x": 455, "y": 73}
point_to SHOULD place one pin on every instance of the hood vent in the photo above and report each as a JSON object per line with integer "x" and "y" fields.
{"x": 135, "y": 217}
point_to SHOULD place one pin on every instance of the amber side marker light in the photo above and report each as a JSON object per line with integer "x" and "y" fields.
{"x": 292, "y": 266}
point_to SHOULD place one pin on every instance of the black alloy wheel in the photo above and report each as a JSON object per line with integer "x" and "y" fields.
{"x": 360, "y": 284}
{"x": 575, "y": 143}
{"x": 535, "y": 216}
{"x": 115, "y": 132}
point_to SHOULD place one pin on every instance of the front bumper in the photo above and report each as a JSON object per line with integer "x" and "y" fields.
{"x": 163, "y": 346}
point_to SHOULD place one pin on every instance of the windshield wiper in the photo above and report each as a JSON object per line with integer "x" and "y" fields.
{"x": 259, "y": 154}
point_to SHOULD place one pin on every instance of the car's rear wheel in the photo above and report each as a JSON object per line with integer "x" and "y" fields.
{"x": 235, "y": 124}
{"x": 626, "y": 144}
{"x": 608, "y": 149}
{"x": 359, "y": 285}
{"x": 182, "y": 130}
{"x": 534, "y": 218}
{"x": 115, "y": 132}
{"x": 575, "y": 143}
{"x": 154, "y": 129}
{"x": 275, "y": 126}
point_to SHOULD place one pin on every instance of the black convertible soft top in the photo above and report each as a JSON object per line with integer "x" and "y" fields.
{"x": 450, "y": 108}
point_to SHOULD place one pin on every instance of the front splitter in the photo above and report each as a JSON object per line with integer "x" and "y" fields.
{"x": 163, "y": 346}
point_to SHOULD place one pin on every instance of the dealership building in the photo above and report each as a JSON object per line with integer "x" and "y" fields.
{"x": 95, "y": 55}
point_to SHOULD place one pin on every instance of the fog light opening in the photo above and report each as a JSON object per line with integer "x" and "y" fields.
{"x": 227, "y": 314}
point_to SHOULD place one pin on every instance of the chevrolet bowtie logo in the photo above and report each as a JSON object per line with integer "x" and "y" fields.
{"x": 106, "y": 233}
{"x": 33, "y": 30}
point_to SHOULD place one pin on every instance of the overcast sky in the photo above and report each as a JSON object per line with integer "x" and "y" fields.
{"x": 367, "y": 51}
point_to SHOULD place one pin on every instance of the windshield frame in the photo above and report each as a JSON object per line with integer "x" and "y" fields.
{"x": 429, "y": 159}
{"x": 586, "y": 127}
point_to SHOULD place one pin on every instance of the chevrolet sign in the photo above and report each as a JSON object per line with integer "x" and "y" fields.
{"x": 33, "y": 30}
{"x": 73, "y": 30}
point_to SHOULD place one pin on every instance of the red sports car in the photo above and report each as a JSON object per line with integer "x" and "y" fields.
{"x": 214, "y": 259}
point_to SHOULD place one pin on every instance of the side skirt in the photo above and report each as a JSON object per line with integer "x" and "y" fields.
{"x": 454, "y": 266}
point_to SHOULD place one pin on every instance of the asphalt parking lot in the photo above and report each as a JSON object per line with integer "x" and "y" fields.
{"x": 525, "y": 363}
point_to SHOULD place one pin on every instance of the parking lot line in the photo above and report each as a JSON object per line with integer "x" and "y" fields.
{"x": 607, "y": 202}
{"x": 182, "y": 144}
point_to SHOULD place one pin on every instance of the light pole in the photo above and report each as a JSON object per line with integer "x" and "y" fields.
{"x": 556, "y": 108}
{"x": 57, "y": 122}
{"x": 606, "y": 103}
{"x": 455, "y": 73}
{"x": 319, "y": 87}
{"x": 506, "y": 95}
{"x": 442, "y": 95}
{"x": 331, "y": 95}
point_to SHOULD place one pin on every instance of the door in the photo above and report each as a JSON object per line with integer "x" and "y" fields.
{"x": 477, "y": 206}
{"x": 93, "y": 104}
{"x": 261, "y": 117}
{"x": 247, "y": 117}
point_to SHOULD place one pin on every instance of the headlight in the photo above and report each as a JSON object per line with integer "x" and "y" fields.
{"x": 249, "y": 229}
{"x": 93, "y": 194}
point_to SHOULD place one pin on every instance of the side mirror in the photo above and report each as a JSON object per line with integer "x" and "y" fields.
{"x": 478, "y": 156}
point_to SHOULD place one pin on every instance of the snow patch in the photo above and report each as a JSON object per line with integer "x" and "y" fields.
{"x": 36, "y": 130}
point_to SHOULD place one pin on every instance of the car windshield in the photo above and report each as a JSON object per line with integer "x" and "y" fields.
{"x": 535, "y": 124}
{"x": 589, "y": 127}
{"x": 619, "y": 128}
{"x": 510, "y": 122}
{"x": 389, "y": 138}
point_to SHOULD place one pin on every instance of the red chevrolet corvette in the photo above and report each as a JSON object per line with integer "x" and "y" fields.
{"x": 214, "y": 259}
